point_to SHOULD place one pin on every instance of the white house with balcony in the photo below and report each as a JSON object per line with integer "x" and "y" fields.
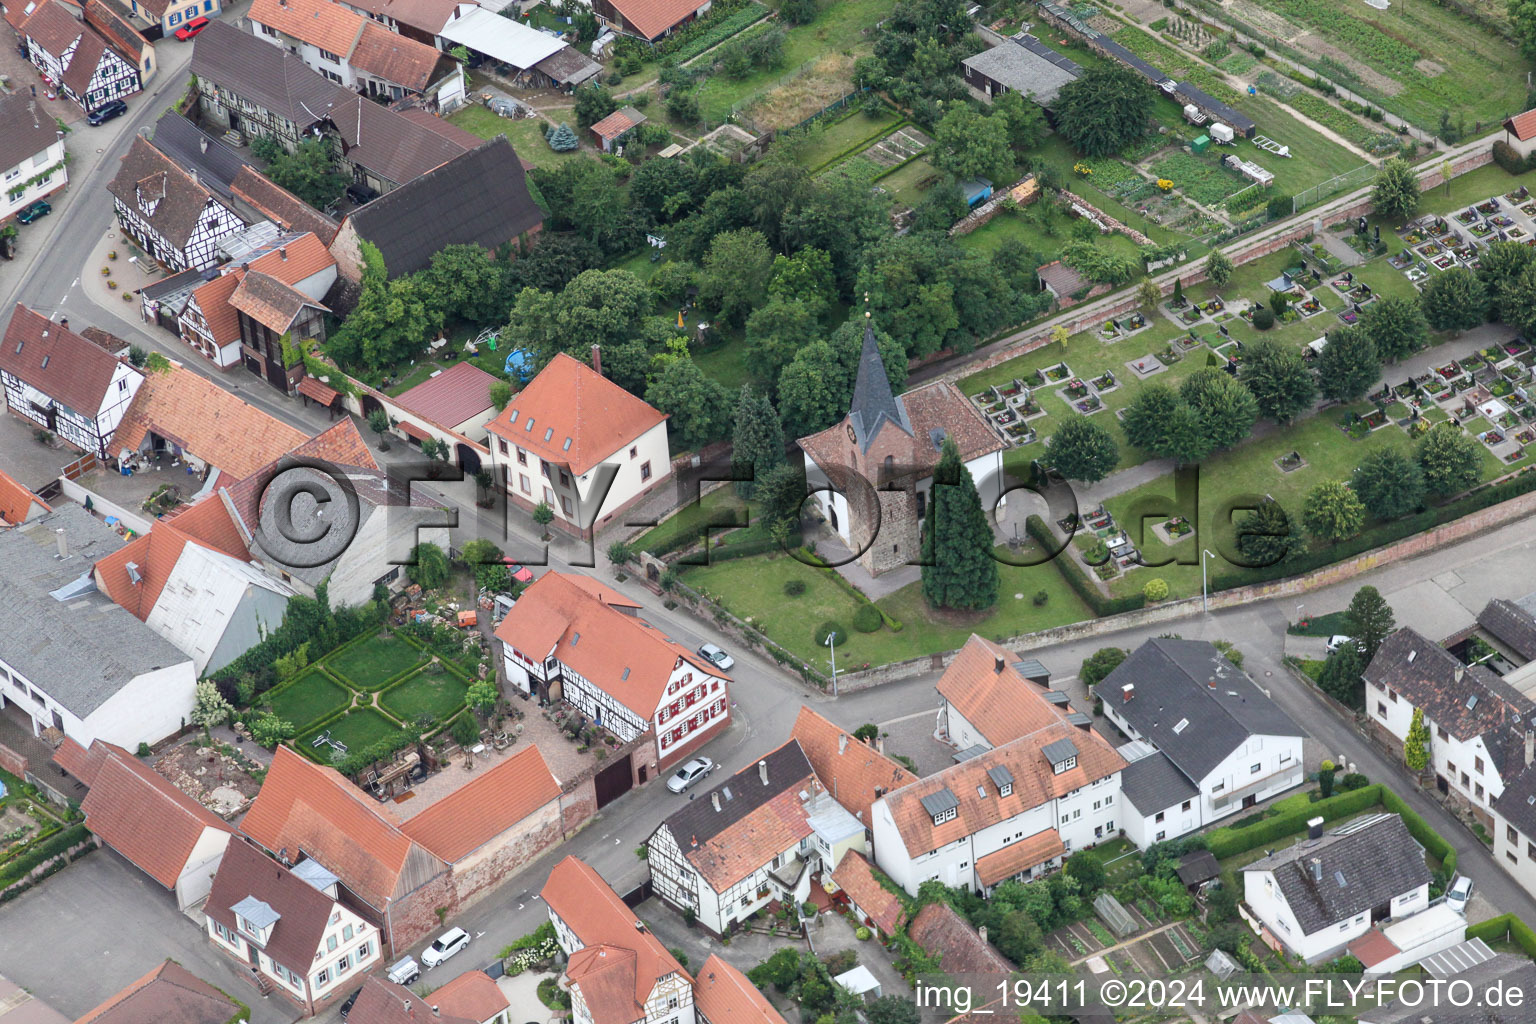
{"x": 1207, "y": 741}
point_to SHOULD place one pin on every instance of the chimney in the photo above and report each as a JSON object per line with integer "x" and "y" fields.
{"x": 693, "y": 842}
{"x": 982, "y": 932}
{"x": 1530, "y": 746}
{"x": 245, "y": 266}
{"x": 1211, "y": 683}
{"x": 63, "y": 542}
{"x": 597, "y": 359}
{"x": 714, "y": 798}
{"x": 842, "y": 743}
{"x": 880, "y": 744}
{"x": 282, "y": 254}
{"x": 997, "y": 664}
{"x": 193, "y": 172}
{"x": 1128, "y": 692}
{"x": 1317, "y": 869}
{"x": 1315, "y": 828}
{"x": 1461, "y": 670}
{"x": 202, "y": 144}
{"x": 434, "y": 1010}
{"x": 762, "y": 771}
{"x": 407, "y": 1006}
{"x": 64, "y": 322}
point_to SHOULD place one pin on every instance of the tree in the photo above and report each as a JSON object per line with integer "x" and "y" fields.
{"x": 1185, "y": 439}
{"x": 1088, "y": 870}
{"x": 1279, "y": 379}
{"x": 798, "y": 12}
{"x": 813, "y": 390}
{"x": 1146, "y": 417}
{"x": 1396, "y": 326}
{"x": 462, "y": 281}
{"x": 1332, "y": 512}
{"x": 969, "y": 145}
{"x": 1024, "y": 119}
{"x": 391, "y": 322}
{"x": 1451, "y": 460}
{"x": 1522, "y": 16}
{"x": 780, "y": 495}
{"x": 543, "y": 514}
{"x": 1148, "y": 294}
{"x": 1083, "y": 450}
{"x": 1348, "y": 367}
{"x": 1218, "y": 268}
{"x": 378, "y": 422}
{"x": 598, "y": 307}
{"x": 699, "y": 405}
{"x": 683, "y": 106}
{"x": 958, "y": 570}
{"x": 268, "y": 730}
{"x": 593, "y": 103}
{"x": 1370, "y": 621}
{"x": 1267, "y": 536}
{"x": 776, "y": 332}
{"x": 1499, "y": 266}
{"x": 428, "y": 566}
{"x": 757, "y": 441}
{"x": 209, "y": 708}
{"x": 1389, "y": 483}
{"x": 1396, "y": 192}
{"x": 1100, "y": 664}
{"x": 1279, "y": 302}
{"x": 1104, "y": 110}
{"x": 500, "y": 394}
{"x": 735, "y": 273}
{"x": 807, "y": 277}
{"x": 1454, "y": 300}
{"x": 1340, "y": 678}
{"x": 482, "y": 695}
{"x": 1227, "y": 409}
{"x": 892, "y": 1010}
{"x": 1100, "y": 264}
{"x": 1416, "y": 743}
{"x": 562, "y": 140}
{"x": 309, "y": 172}
{"x": 1518, "y": 302}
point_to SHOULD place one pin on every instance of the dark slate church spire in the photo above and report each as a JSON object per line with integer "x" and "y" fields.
{"x": 874, "y": 403}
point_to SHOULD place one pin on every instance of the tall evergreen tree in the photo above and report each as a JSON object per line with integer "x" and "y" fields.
{"x": 959, "y": 571}
{"x": 1340, "y": 678}
{"x": 757, "y": 441}
{"x": 1370, "y": 621}
{"x": 1268, "y": 536}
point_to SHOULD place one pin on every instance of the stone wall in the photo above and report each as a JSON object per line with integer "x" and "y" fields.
{"x": 477, "y": 874}
{"x": 578, "y": 803}
{"x": 414, "y": 917}
{"x": 1104, "y": 219}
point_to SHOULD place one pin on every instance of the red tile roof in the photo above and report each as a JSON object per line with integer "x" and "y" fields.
{"x": 318, "y": 22}
{"x": 52, "y": 26}
{"x": 474, "y": 814}
{"x": 651, "y": 18}
{"x": 341, "y": 444}
{"x": 631, "y": 660}
{"x": 302, "y": 258}
{"x": 850, "y": 769}
{"x": 138, "y": 813}
{"x": 744, "y": 846}
{"x": 282, "y": 206}
{"x": 56, "y": 360}
{"x": 16, "y": 502}
{"x": 459, "y": 393}
{"x": 854, "y": 876}
{"x": 1522, "y": 126}
{"x": 78, "y": 761}
{"x": 569, "y": 413}
{"x": 939, "y": 929}
{"x": 202, "y": 418}
{"x": 383, "y": 1002}
{"x": 169, "y": 994}
{"x": 999, "y": 702}
{"x": 472, "y": 996}
{"x": 304, "y": 911}
{"x": 723, "y": 995}
{"x": 1372, "y": 948}
{"x": 1018, "y": 857}
{"x": 207, "y": 522}
{"x": 614, "y": 125}
{"x": 303, "y": 807}
{"x": 311, "y": 388}
{"x": 394, "y": 58}
{"x": 270, "y": 302}
{"x": 617, "y": 985}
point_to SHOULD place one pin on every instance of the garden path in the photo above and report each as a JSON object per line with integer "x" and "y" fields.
{"x": 1336, "y": 246}
{"x": 1133, "y": 940}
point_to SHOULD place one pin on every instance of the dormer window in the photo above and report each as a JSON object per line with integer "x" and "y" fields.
{"x": 1002, "y": 778}
{"x": 941, "y": 806}
{"x": 943, "y": 816}
{"x": 1062, "y": 756}
{"x": 1006, "y": 790}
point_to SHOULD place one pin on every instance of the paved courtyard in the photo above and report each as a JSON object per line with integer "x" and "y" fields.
{"x": 89, "y": 930}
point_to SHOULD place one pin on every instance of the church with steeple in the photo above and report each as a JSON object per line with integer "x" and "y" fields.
{"x": 871, "y": 474}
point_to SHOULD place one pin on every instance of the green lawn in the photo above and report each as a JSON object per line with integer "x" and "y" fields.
{"x": 525, "y": 134}
{"x": 753, "y": 589}
{"x": 908, "y": 183}
{"x": 827, "y": 140}
{"x": 718, "y": 506}
{"x": 368, "y": 665}
{"x": 437, "y": 696}
{"x": 359, "y": 729}
{"x": 308, "y": 699}
{"x": 1018, "y": 225}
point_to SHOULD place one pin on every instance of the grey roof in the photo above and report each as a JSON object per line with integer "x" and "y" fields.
{"x": 974, "y": 750}
{"x": 938, "y": 802}
{"x": 1517, "y": 804}
{"x": 477, "y": 198}
{"x": 1172, "y": 682}
{"x": 1511, "y": 972}
{"x": 315, "y": 873}
{"x": 1035, "y": 70}
{"x": 569, "y": 66}
{"x": 259, "y": 914}
{"x": 26, "y": 129}
{"x": 1512, "y": 625}
{"x": 1113, "y": 49}
{"x": 874, "y": 404}
{"x": 83, "y": 651}
{"x": 1059, "y": 751}
{"x": 740, "y": 795}
{"x": 1153, "y": 784}
{"x": 1198, "y": 866}
{"x": 1079, "y": 719}
{"x": 1457, "y": 958}
{"x": 213, "y": 161}
{"x": 1000, "y": 774}
{"x": 1031, "y": 669}
{"x": 264, "y": 74}
{"x": 1214, "y": 107}
{"x": 1058, "y": 697}
{"x": 1362, "y": 865}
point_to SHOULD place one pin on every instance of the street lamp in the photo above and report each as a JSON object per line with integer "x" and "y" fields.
{"x": 1205, "y": 594}
{"x": 832, "y": 646}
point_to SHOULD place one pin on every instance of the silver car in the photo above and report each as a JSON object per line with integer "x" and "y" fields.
{"x": 724, "y": 662}
{"x": 684, "y": 778}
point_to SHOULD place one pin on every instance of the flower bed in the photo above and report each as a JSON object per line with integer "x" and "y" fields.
{"x": 1432, "y": 249}
{"x": 1076, "y": 388}
{"x": 1105, "y": 382}
{"x": 1491, "y": 437}
{"x": 1054, "y": 374}
{"x": 1450, "y": 371}
{"x": 1178, "y": 526}
{"x": 1088, "y": 405}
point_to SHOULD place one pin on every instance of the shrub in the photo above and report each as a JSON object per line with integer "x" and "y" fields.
{"x": 867, "y": 619}
{"x": 830, "y": 629}
{"x": 1505, "y": 156}
{"x": 862, "y": 933}
{"x": 1040, "y": 598}
{"x": 1263, "y": 318}
{"x": 466, "y": 731}
{"x": 1353, "y": 781}
{"x": 794, "y": 588}
{"x": 1155, "y": 590}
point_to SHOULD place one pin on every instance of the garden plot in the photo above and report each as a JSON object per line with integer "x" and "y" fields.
{"x": 898, "y": 147}
{"x": 823, "y": 83}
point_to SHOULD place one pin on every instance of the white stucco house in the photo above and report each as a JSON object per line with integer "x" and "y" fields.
{"x": 1314, "y": 898}
{"x": 1207, "y": 742}
{"x": 31, "y": 153}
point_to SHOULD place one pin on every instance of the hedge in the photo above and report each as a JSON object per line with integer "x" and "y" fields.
{"x": 684, "y": 45}
{"x": 1506, "y": 157}
{"x": 1229, "y": 842}
{"x": 1506, "y": 928}
{"x": 862, "y": 144}
{"x": 1077, "y": 579}
{"x": 1433, "y": 842}
{"x": 39, "y": 851}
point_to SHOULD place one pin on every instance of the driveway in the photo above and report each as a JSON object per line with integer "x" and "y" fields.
{"x": 85, "y": 933}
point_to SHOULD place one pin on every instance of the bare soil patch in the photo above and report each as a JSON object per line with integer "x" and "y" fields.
{"x": 1429, "y": 67}
{"x": 1314, "y": 43}
{"x": 789, "y": 104}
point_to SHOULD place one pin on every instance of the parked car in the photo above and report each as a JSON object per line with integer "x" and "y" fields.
{"x": 452, "y": 941}
{"x": 34, "y": 210}
{"x": 106, "y": 112}
{"x": 360, "y": 193}
{"x": 346, "y": 1007}
{"x": 405, "y": 971}
{"x": 191, "y": 28}
{"x": 717, "y": 657}
{"x": 1338, "y": 640}
{"x": 683, "y": 779}
{"x": 1458, "y": 894}
{"x": 517, "y": 571}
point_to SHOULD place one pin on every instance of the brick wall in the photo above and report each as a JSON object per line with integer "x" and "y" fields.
{"x": 414, "y": 917}
{"x": 476, "y": 875}
{"x": 12, "y": 761}
{"x": 578, "y": 803}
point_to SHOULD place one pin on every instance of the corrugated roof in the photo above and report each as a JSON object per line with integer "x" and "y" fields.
{"x": 457, "y": 394}
{"x": 503, "y": 39}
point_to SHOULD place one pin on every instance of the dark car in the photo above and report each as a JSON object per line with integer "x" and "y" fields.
{"x": 360, "y": 193}
{"x": 106, "y": 112}
{"x": 32, "y": 211}
{"x": 346, "y": 1007}
{"x": 191, "y": 28}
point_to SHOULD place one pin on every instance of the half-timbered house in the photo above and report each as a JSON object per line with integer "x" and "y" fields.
{"x": 168, "y": 212}
{"x": 78, "y": 58}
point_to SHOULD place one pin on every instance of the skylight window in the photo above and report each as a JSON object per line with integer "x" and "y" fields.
{"x": 567, "y": 446}
{"x": 1183, "y": 724}
{"x": 549, "y": 432}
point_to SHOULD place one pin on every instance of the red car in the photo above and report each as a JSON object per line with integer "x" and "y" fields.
{"x": 191, "y": 28}
{"x": 521, "y": 573}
